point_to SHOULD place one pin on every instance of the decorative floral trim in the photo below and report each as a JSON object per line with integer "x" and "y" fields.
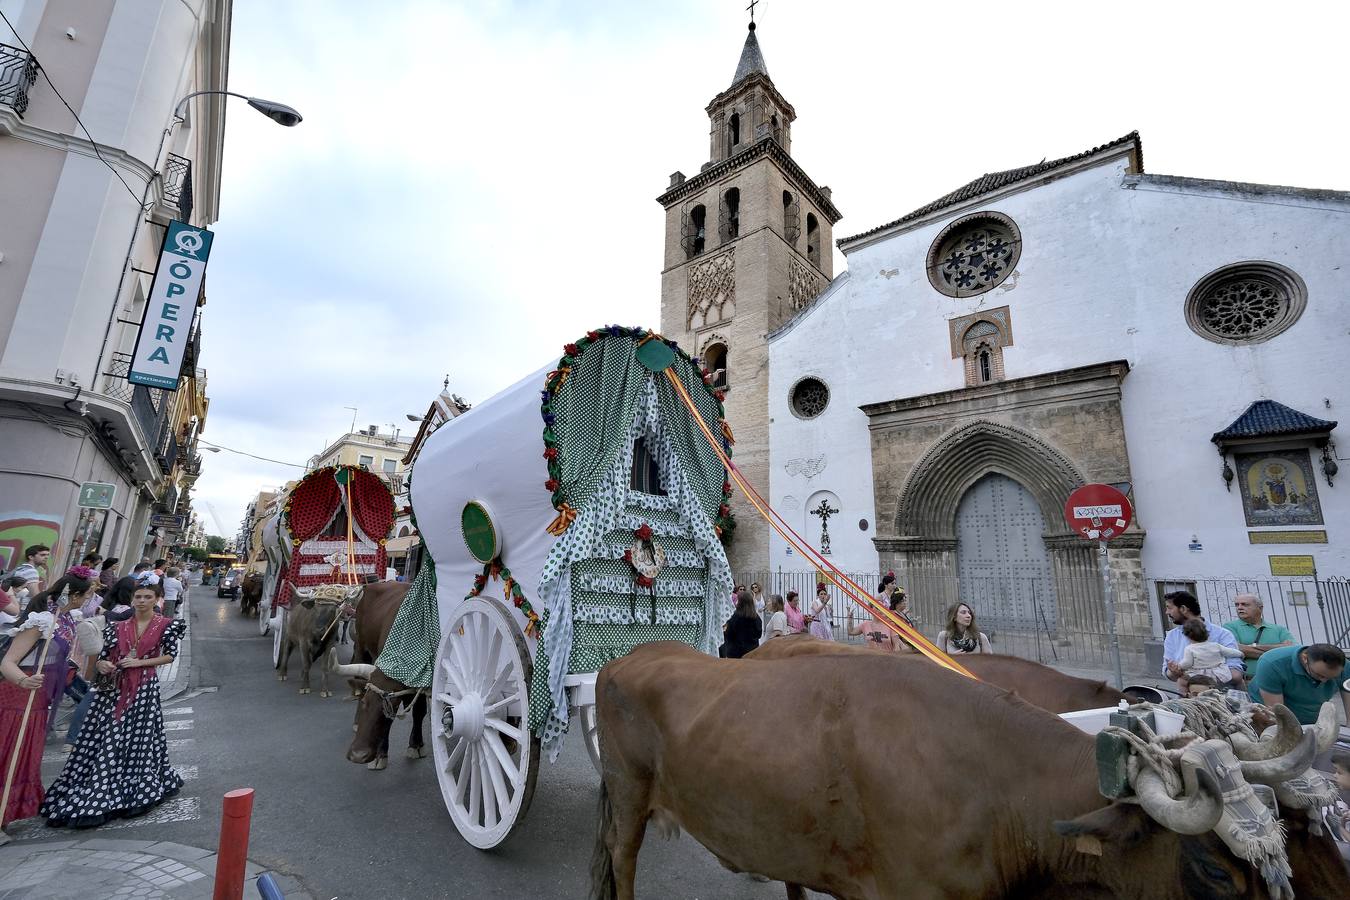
{"x": 510, "y": 590}
{"x": 724, "y": 523}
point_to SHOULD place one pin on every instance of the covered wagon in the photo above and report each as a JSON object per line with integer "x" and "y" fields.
{"x": 566, "y": 520}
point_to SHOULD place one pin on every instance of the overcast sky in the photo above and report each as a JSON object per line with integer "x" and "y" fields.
{"x": 474, "y": 183}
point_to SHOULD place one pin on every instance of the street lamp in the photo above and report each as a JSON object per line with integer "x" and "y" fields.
{"x": 277, "y": 112}
{"x": 413, "y": 418}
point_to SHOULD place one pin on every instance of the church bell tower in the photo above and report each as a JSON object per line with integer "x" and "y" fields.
{"x": 748, "y": 244}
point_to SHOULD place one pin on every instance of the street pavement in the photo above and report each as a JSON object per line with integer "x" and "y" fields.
{"x": 328, "y": 828}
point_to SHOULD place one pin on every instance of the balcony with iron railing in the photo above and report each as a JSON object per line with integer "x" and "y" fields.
{"x": 18, "y": 73}
{"x": 173, "y": 193}
{"x": 149, "y": 406}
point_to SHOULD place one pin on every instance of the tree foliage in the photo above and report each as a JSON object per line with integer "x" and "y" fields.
{"x": 215, "y": 543}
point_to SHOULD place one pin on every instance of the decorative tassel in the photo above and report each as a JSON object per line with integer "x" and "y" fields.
{"x": 566, "y": 515}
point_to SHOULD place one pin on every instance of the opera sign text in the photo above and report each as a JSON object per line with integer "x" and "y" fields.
{"x": 167, "y": 322}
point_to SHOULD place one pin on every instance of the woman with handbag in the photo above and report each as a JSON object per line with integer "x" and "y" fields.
{"x": 120, "y": 764}
{"x": 31, "y": 685}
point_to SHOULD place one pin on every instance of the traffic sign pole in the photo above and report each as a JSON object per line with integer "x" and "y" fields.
{"x": 1100, "y": 512}
{"x": 1110, "y": 597}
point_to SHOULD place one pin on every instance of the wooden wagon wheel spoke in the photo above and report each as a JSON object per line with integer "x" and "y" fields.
{"x": 504, "y": 702}
{"x": 509, "y": 730}
{"x": 487, "y": 761}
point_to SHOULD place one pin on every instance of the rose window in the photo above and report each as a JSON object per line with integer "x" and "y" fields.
{"x": 810, "y": 396}
{"x": 974, "y": 254}
{"x": 1246, "y": 303}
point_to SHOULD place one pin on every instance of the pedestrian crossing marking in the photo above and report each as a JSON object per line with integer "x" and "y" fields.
{"x": 178, "y": 711}
{"x": 178, "y": 725}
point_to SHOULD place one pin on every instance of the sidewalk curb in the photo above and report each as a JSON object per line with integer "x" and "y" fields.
{"x": 106, "y": 865}
{"x": 175, "y": 680}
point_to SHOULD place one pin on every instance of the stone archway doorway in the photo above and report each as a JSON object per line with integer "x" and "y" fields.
{"x": 1002, "y": 563}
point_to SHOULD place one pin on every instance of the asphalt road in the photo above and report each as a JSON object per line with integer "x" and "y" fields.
{"x": 346, "y": 832}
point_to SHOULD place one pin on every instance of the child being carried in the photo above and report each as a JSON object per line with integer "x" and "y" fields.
{"x": 1204, "y": 657}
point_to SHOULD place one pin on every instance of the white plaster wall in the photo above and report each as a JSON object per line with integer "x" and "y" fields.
{"x": 1103, "y": 275}
{"x": 144, "y": 65}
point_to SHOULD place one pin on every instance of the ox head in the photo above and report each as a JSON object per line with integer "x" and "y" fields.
{"x": 1228, "y": 843}
{"x": 379, "y": 703}
{"x": 324, "y": 603}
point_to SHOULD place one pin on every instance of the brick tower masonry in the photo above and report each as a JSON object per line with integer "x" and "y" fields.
{"x": 748, "y": 243}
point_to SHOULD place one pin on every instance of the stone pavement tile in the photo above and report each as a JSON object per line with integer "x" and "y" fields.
{"x": 115, "y": 845}
{"x": 180, "y": 852}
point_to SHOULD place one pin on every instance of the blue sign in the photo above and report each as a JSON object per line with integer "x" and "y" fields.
{"x": 167, "y": 323}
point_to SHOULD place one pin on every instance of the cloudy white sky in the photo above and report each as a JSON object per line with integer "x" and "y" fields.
{"x": 474, "y": 183}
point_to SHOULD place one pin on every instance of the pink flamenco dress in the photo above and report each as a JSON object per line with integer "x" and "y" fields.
{"x": 25, "y": 795}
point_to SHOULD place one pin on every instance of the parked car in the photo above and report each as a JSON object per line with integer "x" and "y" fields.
{"x": 229, "y": 584}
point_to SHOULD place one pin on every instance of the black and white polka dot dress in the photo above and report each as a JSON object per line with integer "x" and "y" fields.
{"x": 120, "y": 767}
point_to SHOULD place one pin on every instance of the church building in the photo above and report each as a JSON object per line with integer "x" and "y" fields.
{"x": 1078, "y": 320}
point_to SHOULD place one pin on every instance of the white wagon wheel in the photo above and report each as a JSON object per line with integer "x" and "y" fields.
{"x": 590, "y": 733}
{"x": 487, "y": 759}
{"x": 264, "y": 615}
{"x": 278, "y": 625}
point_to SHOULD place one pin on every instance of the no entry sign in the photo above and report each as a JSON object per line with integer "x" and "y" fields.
{"x": 1098, "y": 512}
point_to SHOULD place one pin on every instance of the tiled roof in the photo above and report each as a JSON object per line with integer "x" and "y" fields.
{"x": 752, "y": 60}
{"x": 1266, "y": 418}
{"x": 992, "y": 181}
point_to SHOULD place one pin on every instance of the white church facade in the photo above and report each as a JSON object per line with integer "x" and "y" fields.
{"x": 929, "y": 409}
{"x": 1078, "y": 320}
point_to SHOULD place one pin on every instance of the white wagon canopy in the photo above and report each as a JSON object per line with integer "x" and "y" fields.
{"x": 589, "y": 499}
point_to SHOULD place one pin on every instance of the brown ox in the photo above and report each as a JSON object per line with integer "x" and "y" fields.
{"x": 381, "y": 697}
{"x": 943, "y": 788}
{"x": 1037, "y": 684}
{"x": 312, "y": 625}
{"x": 250, "y": 596}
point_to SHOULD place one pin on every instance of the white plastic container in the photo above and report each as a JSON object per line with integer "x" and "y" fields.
{"x": 1091, "y": 721}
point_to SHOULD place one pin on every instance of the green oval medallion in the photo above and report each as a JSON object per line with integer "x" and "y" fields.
{"x": 480, "y": 535}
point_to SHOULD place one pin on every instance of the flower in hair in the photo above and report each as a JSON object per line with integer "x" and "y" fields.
{"x": 82, "y": 572}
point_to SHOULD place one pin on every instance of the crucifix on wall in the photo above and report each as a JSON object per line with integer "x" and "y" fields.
{"x": 824, "y": 510}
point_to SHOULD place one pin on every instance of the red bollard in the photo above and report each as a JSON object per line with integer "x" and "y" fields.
{"x": 235, "y": 817}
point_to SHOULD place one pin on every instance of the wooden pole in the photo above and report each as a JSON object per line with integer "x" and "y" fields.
{"x": 23, "y": 728}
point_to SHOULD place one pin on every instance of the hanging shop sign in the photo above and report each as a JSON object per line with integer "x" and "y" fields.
{"x": 167, "y": 322}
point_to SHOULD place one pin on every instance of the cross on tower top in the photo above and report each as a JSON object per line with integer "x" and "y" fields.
{"x": 751, "y": 7}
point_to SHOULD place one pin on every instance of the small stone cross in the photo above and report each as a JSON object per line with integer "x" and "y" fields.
{"x": 824, "y": 510}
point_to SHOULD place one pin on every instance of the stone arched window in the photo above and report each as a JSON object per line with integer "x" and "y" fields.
{"x": 792, "y": 218}
{"x": 715, "y": 361}
{"x": 694, "y": 236}
{"x": 813, "y": 239}
{"x": 733, "y": 132}
{"x": 978, "y": 341}
{"x": 730, "y": 225}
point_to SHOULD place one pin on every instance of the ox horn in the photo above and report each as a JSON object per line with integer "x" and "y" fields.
{"x": 351, "y": 670}
{"x": 1327, "y": 728}
{"x": 299, "y": 591}
{"x": 1281, "y": 768}
{"x": 1283, "y": 739}
{"x": 1198, "y": 811}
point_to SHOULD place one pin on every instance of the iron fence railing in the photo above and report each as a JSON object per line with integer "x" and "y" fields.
{"x": 18, "y": 73}
{"x": 176, "y": 185}
{"x": 1059, "y": 618}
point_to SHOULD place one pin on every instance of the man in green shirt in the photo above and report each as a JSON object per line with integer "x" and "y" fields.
{"x": 1302, "y": 678}
{"x": 1255, "y": 636}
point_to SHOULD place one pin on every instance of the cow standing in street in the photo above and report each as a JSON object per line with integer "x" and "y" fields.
{"x": 995, "y": 797}
{"x": 312, "y": 626}
{"x": 382, "y": 698}
{"x": 250, "y": 595}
